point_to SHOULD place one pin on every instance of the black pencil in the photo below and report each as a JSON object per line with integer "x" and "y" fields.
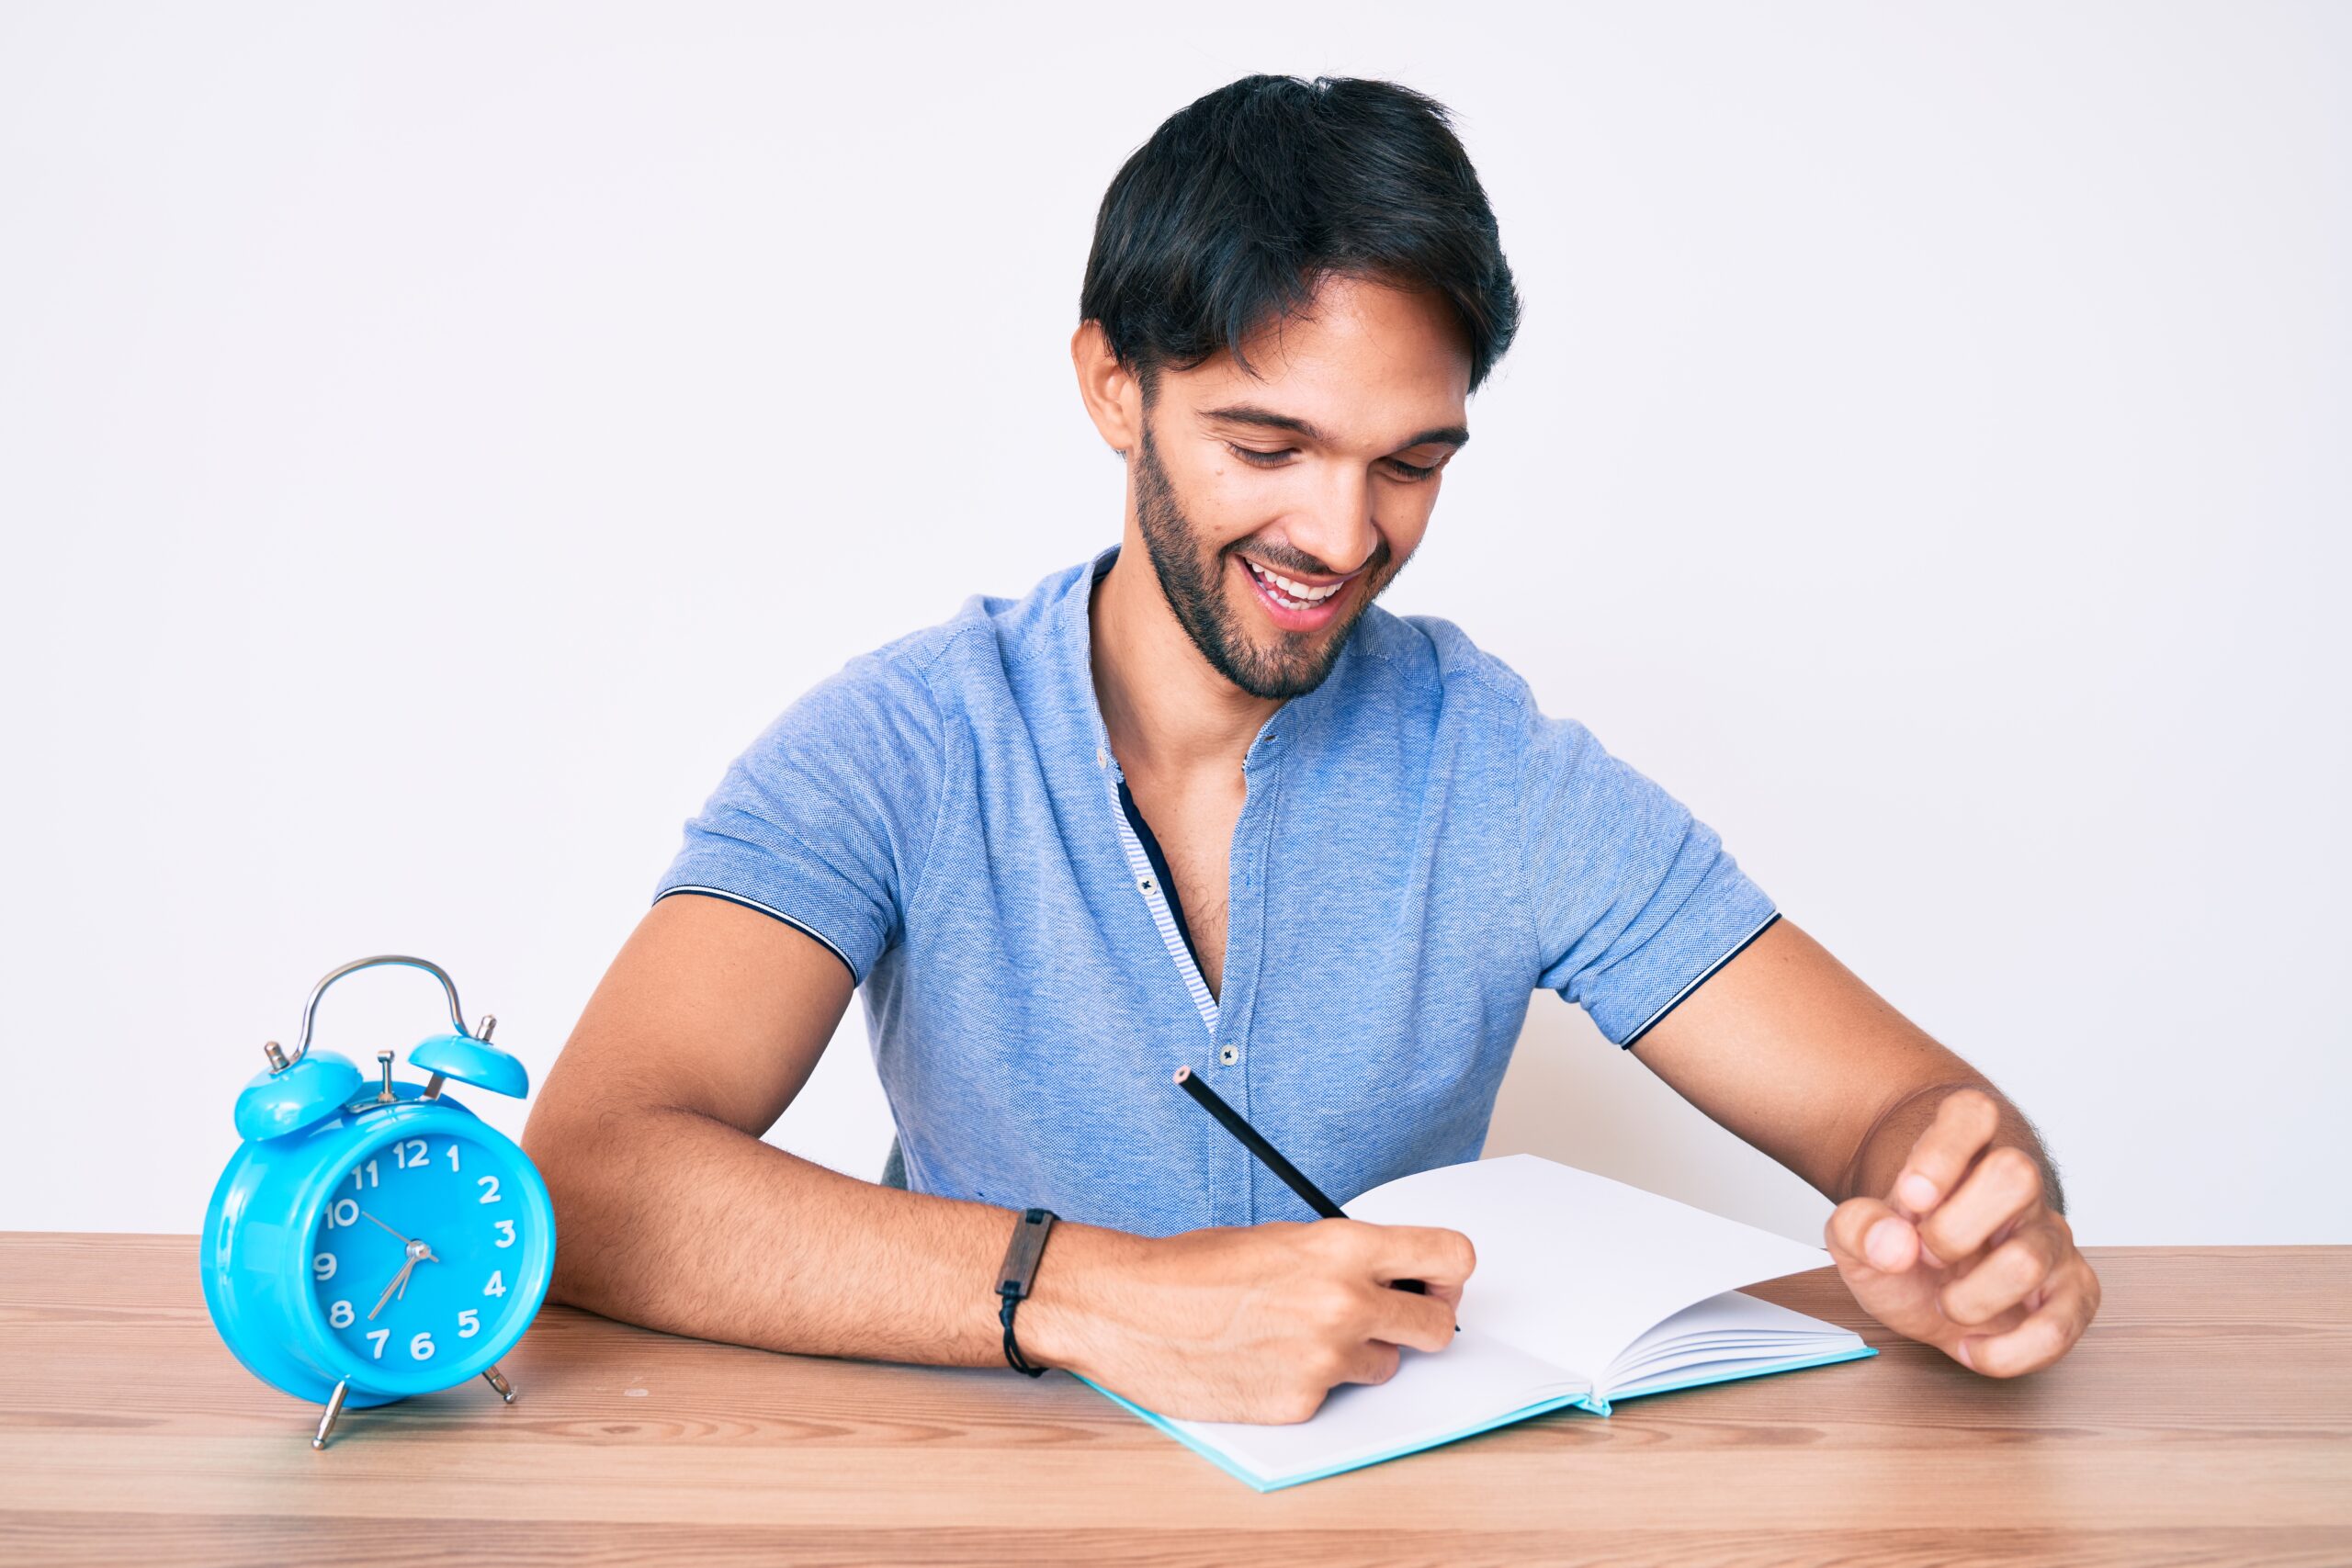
{"x": 1272, "y": 1157}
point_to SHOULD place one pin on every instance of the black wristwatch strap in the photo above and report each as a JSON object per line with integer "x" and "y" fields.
{"x": 1012, "y": 1280}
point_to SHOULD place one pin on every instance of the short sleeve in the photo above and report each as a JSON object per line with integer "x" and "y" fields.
{"x": 825, "y": 820}
{"x": 1635, "y": 902}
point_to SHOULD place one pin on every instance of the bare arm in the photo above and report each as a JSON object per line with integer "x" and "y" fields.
{"x": 1950, "y": 1224}
{"x": 1788, "y": 1048}
{"x": 670, "y": 1212}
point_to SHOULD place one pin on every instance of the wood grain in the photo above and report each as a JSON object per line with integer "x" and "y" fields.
{"x": 2208, "y": 1419}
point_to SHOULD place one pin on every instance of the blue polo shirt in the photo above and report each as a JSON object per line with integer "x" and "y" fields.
{"x": 1421, "y": 849}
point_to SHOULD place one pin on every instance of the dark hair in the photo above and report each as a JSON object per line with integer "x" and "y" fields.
{"x": 1245, "y": 199}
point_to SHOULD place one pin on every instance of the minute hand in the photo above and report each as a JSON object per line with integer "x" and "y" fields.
{"x": 399, "y": 1282}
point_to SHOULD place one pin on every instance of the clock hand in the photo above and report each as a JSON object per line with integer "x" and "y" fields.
{"x": 400, "y": 1280}
{"x": 366, "y": 1216}
{"x": 419, "y": 1252}
{"x": 416, "y": 1250}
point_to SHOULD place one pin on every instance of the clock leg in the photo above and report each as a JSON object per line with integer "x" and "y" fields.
{"x": 497, "y": 1380}
{"x": 334, "y": 1408}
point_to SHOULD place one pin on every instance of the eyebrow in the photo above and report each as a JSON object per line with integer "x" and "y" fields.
{"x": 1250, "y": 413}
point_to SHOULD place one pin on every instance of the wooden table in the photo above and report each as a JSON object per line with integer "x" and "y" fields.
{"x": 2208, "y": 1419}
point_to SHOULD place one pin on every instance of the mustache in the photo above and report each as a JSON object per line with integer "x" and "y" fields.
{"x": 1310, "y": 568}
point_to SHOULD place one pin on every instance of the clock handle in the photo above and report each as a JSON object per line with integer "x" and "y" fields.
{"x": 310, "y": 1012}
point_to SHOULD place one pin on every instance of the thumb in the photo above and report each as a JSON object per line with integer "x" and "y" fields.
{"x": 1866, "y": 1232}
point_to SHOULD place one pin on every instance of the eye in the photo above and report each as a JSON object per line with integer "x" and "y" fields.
{"x": 1411, "y": 473}
{"x": 1253, "y": 456}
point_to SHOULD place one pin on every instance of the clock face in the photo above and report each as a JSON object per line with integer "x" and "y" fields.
{"x": 420, "y": 1252}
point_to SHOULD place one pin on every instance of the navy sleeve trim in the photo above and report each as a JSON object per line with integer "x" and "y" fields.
{"x": 1675, "y": 1001}
{"x": 755, "y": 904}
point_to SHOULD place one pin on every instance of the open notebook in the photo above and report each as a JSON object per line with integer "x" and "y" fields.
{"x": 1586, "y": 1290}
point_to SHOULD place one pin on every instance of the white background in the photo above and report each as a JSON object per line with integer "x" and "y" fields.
{"x": 434, "y": 439}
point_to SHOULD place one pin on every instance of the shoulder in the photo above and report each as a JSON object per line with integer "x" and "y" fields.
{"x": 919, "y": 682}
{"x": 1473, "y": 702}
{"x": 1430, "y": 658}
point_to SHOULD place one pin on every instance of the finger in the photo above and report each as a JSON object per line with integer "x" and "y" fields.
{"x": 2007, "y": 1276}
{"x": 1373, "y": 1362}
{"x": 1963, "y": 1125}
{"x": 1399, "y": 1317}
{"x": 2004, "y": 1185}
{"x": 1864, "y": 1233}
{"x": 1441, "y": 1259}
{"x": 2066, "y": 1309}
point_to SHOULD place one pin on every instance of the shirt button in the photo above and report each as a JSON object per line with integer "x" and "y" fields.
{"x": 1229, "y": 1056}
{"x": 1145, "y": 884}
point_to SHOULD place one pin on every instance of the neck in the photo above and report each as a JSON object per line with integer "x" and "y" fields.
{"x": 1168, "y": 708}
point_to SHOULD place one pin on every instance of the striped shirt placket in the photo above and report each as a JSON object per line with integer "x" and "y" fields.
{"x": 1154, "y": 900}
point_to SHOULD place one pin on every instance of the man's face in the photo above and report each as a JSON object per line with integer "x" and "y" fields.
{"x": 1322, "y": 469}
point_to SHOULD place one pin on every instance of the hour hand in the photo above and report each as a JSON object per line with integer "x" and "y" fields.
{"x": 418, "y": 1252}
{"x": 400, "y": 1283}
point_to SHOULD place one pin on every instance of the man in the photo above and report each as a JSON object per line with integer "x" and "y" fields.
{"x": 1198, "y": 802}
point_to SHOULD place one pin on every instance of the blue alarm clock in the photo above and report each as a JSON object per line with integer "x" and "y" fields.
{"x": 370, "y": 1241}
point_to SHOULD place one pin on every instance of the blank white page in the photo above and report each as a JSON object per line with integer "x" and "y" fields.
{"x": 1572, "y": 1267}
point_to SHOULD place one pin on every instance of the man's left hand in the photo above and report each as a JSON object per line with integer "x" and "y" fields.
{"x": 1965, "y": 1253}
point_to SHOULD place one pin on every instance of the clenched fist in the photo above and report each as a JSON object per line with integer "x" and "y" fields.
{"x": 1965, "y": 1253}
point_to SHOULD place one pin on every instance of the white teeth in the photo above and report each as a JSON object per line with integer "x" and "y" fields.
{"x": 1298, "y": 591}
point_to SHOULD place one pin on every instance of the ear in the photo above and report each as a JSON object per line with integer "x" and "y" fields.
{"x": 1113, "y": 396}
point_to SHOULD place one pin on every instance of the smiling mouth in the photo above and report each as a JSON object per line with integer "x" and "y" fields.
{"x": 1290, "y": 593}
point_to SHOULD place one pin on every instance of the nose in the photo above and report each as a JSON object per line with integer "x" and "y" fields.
{"x": 1335, "y": 529}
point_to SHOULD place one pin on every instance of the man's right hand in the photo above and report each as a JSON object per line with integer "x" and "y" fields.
{"x": 1241, "y": 1323}
{"x": 677, "y": 1215}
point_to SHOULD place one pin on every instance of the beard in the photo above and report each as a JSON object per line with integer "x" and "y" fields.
{"x": 1294, "y": 662}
